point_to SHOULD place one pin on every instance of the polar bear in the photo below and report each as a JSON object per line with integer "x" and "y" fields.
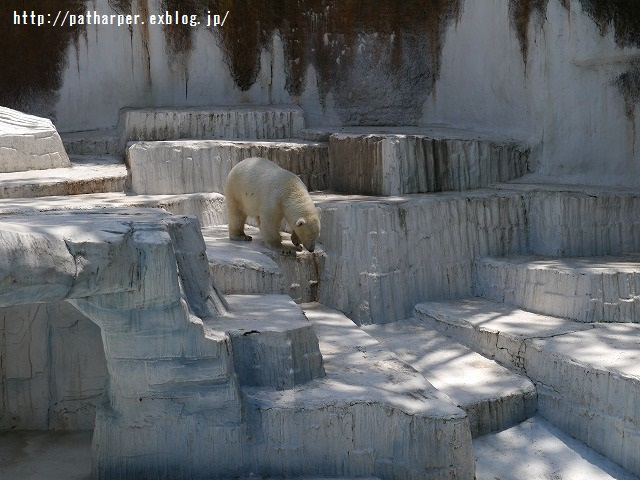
{"x": 257, "y": 187}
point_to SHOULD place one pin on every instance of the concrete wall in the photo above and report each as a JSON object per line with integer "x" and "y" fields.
{"x": 561, "y": 74}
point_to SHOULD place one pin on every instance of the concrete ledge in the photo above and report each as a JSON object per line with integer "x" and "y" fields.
{"x": 273, "y": 343}
{"x": 586, "y": 289}
{"x": 188, "y": 166}
{"x": 493, "y": 397}
{"x": 208, "y": 208}
{"x": 372, "y": 415}
{"x": 230, "y": 122}
{"x": 254, "y": 268}
{"x": 28, "y": 142}
{"x": 587, "y": 375}
{"x": 84, "y": 175}
{"x": 398, "y": 161}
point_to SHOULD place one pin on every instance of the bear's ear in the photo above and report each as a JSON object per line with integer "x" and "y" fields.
{"x": 301, "y": 221}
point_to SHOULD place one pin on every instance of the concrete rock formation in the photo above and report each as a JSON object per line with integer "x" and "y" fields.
{"x": 28, "y": 142}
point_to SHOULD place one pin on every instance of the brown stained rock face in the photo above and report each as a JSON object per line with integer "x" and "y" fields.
{"x": 33, "y": 57}
{"x": 522, "y": 13}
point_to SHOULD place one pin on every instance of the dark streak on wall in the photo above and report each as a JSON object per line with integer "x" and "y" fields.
{"x": 629, "y": 85}
{"x": 522, "y": 13}
{"x": 622, "y": 15}
{"x": 379, "y": 59}
{"x": 32, "y": 58}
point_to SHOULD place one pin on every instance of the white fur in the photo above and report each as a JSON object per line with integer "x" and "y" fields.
{"x": 257, "y": 187}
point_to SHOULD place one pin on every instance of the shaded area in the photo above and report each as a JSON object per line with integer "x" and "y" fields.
{"x": 621, "y": 15}
{"x": 629, "y": 85}
{"x": 32, "y": 58}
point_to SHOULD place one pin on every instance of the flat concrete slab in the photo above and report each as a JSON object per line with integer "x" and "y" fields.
{"x": 91, "y": 142}
{"x": 84, "y": 175}
{"x": 187, "y": 166}
{"x": 586, "y": 289}
{"x": 587, "y": 375}
{"x": 253, "y": 268}
{"x": 536, "y": 450}
{"x": 207, "y": 207}
{"x": 494, "y": 397}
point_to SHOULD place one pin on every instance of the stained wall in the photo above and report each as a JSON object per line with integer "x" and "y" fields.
{"x": 561, "y": 74}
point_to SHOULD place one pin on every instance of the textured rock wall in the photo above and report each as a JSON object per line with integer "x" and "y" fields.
{"x": 53, "y": 370}
{"x": 384, "y": 256}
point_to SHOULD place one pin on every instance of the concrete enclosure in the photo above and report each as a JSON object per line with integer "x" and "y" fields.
{"x": 561, "y": 75}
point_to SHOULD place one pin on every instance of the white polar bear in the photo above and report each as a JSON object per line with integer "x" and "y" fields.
{"x": 257, "y": 187}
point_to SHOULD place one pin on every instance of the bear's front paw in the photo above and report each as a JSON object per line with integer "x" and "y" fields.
{"x": 240, "y": 238}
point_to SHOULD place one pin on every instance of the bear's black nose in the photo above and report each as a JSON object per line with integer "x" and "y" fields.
{"x": 311, "y": 249}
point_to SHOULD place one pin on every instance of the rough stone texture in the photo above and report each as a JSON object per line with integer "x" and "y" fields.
{"x": 188, "y": 166}
{"x": 587, "y": 375}
{"x": 254, "y": 268}
{"x": 405, "y": 160}
{"x": 53, "y": 369}
{"x": 384, "y": 255}
{"x": 28, "y": 142}
{"x": 273, "y": 343}
{"x": 87, "y": 175}
{"x": 570, "y": 221}
{"x": 252, "y": 122}
{"x": 493, "y": 397}
{"x": 339, "y": 418}
{"x": 586, "y": 289}
{"x": 93, "y": 142}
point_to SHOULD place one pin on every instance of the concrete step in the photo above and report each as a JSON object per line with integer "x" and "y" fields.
{"x": 585, "y": 289}
{"x": 87, "y": 174}
{"x": 536, "y": 450}
{"x": 274, "y": 345}
{"x": 229, "y": 122}
{"x": 254, "y": 268}
{"x": 494, "y": 397}
{"x": 579, "y": 220}
{"x": 587, "y": 375}
{"x": 401, "y": 160}
{"x": 187, "y": 166}
{"x": 207, "y": 207}
{"x": 372, "y": 415}
{"x": 92, "y": 142}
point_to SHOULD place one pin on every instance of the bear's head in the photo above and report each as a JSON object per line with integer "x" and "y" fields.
{"x": 307, "y": 231}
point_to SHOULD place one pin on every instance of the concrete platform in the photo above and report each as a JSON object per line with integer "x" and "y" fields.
{"x": 188, "y": 166}
{"x": 585, "y": 289}
{"x": 229, "y": 122}
{"x": 207, "y": 207}
{"x": 536, "y": 450}
{"x": 254, "y": 268}
{"x": 401, "y": 160}
{"x": 494, "y": 397}
{"x": 85, "y": 175}
{"x": 273, "y": 343}
{"x": 339, "y": 420}
{"x": 587, "y": 375}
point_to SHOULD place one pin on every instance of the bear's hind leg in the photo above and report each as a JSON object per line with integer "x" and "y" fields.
{"x": 236, "y": 219}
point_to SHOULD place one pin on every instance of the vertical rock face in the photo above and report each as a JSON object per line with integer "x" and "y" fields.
{"x": 29, "y": 143}
{"x": 421, "y": 161}
{"x": 385, "y": 255}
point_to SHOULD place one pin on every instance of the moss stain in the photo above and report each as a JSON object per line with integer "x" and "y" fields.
{"x": 522, "y": 13}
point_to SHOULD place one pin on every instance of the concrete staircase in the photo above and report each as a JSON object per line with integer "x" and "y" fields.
{"x": 435, "y": 379}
